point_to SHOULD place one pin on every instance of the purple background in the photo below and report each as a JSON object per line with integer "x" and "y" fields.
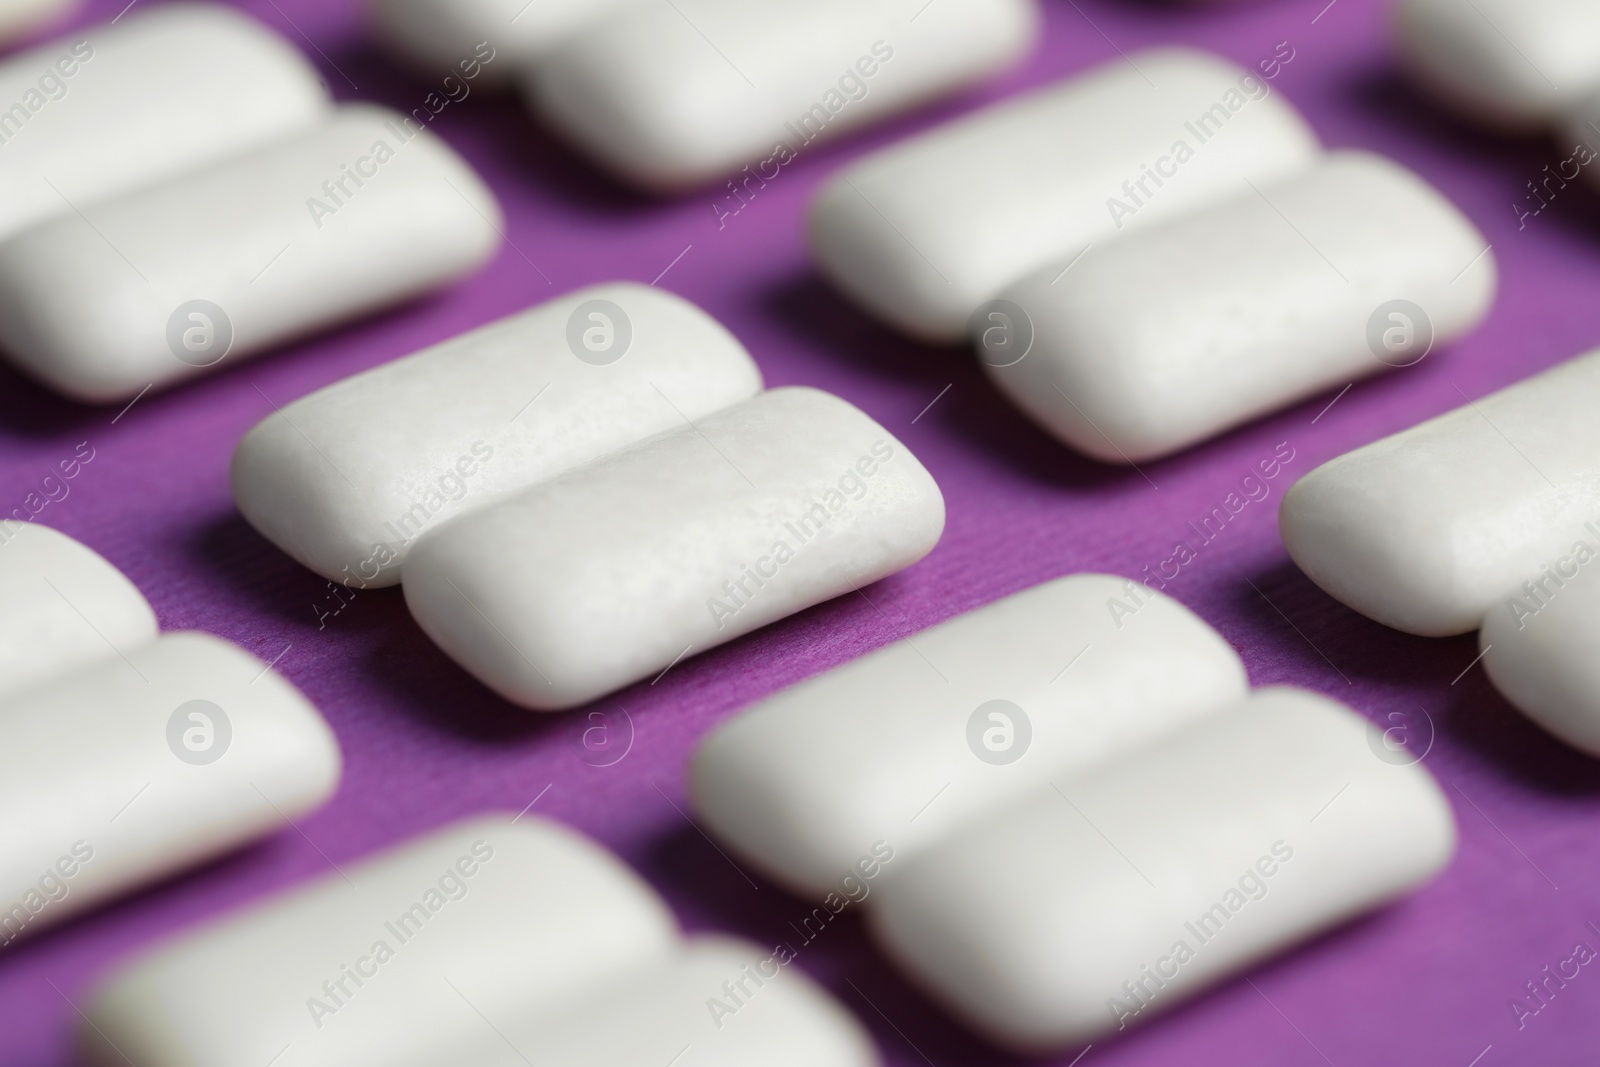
{"x": 1425, "y": 982}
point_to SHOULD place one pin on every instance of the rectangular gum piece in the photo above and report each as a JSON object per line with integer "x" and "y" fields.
{"x": 527, "y": 398}
{"x": 1177, "y": 333}
{"x": 923, "y": 232}
{"x": 150, "y": 760}
{"x": 396, "y": 959}
{"x": 62, "y": 606}
{"x": 1430, "y": 528}
{"x": 614, "y": 571}
{"x": 669, "y": 94}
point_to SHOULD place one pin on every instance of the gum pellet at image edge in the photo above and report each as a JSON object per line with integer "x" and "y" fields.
{"x": 92, "y": 757}
{"x": 682, "y": 1011}
{"x": 434, "y": 36}
{"x": 649, "y": 96}
{"x": 612, "y": 571}
{"x": 921, "y": 233}
{"x": 1427, "y": 530}
{"x": 1510, "y": 65}
{"x": 94, "y": 312}
{"x": 160, "y": 93}
{"x": 512, "y": 397}
{"x": 1027, "y": 925}
{"x": 1177, "y": 333}
{"x": 804, "y": 783}
{"x": 548, "y": 921}
{"x": 62, "y": 607}
{"x": 1545, "y": 663}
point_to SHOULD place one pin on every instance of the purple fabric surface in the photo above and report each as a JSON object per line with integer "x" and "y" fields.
{"x": 1425, "y": 982}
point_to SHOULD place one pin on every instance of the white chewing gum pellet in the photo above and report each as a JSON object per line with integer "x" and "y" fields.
{"x": 923, "y": 232}
{"x": 399, "y": 959}
{"x": 1539, "y": 646}
{"x": 1513, "y": 65}
{"x": 20, "y": 17}
{"x": 1179, "y": 332}
{"x": 670, "y": 94}
{"x": 152, "y": 759}
{"x": 62, "y": 607}
{"x": 615, "y": 570}
{"x": 161, "y": 92}
{"x": 465, "y": 422}
{"x": 1429, "y": 529}
{"x": 438, "y": 36}
{"x": 175, "y": 279}
{"x": 902, "y": 747}
{"x": 722, "y": 1003}
{"x": 1120, "y": 894}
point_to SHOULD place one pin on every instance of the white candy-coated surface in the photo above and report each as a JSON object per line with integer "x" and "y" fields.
{"x": 90, "y": 764}
{"x": 923, "y": 232}
{"x": 615, "y": 570}
{"x": 722, "y": 1003}
{"x": 485, "y": 916}
{"x": 110, "y": 108}
{"x": 1236, "y": 837}
{"x": 94, "y": 310}
{"x": 670, "y": 94}
{"x": 1509, "y": 64}
{"x": 19, "y": 17}
{"x": 1540, "y": 641}
{"x": 346, "y": 479}
{"x": 436, "y": 35}
{"x": 1429, "y": 529}
{"x": 61, "y": 607}
{"x": 1174, "y": 334}
{"x": 878, "y": 751}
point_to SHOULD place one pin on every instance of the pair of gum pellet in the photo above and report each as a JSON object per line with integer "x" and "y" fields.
{"x": 126, "y": 755}
{"x": 1090, "y": 818}
{"x": 499, "y": 942}
{"x": 187, "y": 195}
{"x": 1486, "y": 518}
{"x": 670, "y": 94}
{"x": 1166, "y": 254}
{"x": 567, "y": 520}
